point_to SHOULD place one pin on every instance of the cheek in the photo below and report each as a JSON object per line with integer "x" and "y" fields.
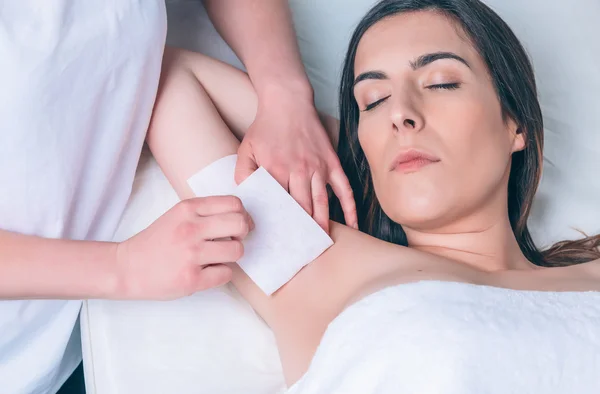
{"x": 373, "y": 143}
{"x": 473, "y": 132}
{"x": 479, "y": 149}
{"x": 488, "y": 144}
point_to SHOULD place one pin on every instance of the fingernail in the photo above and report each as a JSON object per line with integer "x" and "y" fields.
{"x": 355, "y": 226}
{"x": 252, "y": 225}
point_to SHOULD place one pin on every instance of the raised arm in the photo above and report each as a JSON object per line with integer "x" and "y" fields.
{"x": 198, "y": 98}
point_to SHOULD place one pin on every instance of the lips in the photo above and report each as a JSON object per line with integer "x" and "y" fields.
{"x": 412, "y": 160}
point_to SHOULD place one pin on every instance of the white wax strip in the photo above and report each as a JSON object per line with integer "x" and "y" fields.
{"x": 217, "y": 179}
{"x": 285, "y": 238}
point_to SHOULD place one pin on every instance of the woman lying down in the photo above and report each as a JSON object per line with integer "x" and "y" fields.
{"x": 442, "y": 290}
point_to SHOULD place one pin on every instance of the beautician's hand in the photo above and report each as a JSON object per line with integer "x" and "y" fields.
{"x": 289, "y": 140}
{"x": 180, "y": 254}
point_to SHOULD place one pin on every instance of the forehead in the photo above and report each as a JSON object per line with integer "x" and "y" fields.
{"x": 403, "y": 37}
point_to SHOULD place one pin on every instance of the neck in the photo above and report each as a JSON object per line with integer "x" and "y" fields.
{"x": 481, "y": 241}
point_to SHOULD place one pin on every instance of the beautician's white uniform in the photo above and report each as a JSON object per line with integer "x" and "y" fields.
{"x": 78, "y": 81}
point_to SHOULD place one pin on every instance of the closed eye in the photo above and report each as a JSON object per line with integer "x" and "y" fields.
{"x": 375, "y": 104}
{"x": 447, "y": 86}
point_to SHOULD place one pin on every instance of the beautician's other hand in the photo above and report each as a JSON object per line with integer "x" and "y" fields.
{"x": 288, "y": 139}
{"x": 178, "y": 255}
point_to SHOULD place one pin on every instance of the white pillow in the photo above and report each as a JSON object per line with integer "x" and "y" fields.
{"x": 562, "y": 41}
{"x": 213, "y": 342}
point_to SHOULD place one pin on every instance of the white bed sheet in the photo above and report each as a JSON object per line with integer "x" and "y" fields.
{"x": 213, "y": 342}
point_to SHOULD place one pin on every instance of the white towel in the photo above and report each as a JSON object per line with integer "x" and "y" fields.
{"x": 436, "y": 337}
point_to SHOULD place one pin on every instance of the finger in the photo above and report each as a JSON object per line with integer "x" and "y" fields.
{"x": 213, "y": 276}
{"x": 214, "y": 252}
{"x": 214, "y": 205}
{"x": 342, "y": 189}
{"x": 300, "y": 190}
{"x": 281, "y": 176}
{"x": 245, "y": 164}
{"x": 233, "y": 224}
{"x": 320, "y": 201}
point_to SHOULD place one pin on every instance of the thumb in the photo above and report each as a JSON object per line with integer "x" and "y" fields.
{"x": 213, "y": 276}
{"x": 245, "y": 165}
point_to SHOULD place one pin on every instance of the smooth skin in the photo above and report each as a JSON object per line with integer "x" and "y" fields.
{"x": 463, "y": 127}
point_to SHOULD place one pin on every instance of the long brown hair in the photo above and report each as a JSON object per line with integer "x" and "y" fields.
{"x": 514, "y": 81}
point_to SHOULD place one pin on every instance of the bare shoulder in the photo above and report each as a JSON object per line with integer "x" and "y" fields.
{"x": 323, "y": 287}
{"x": 589, "y": 274}
{"x": 353, "y": 260}
{"x": 589, "y": 270}
{"x": 300, "y": 311}
{"x": 578, "y": 277}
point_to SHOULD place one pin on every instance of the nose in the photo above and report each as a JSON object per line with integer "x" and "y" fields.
{"x": 405, "y": 115}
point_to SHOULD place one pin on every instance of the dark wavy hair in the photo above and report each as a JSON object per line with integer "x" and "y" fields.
{"x": 514, "y": 82}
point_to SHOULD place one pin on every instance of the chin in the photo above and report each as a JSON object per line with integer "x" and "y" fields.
{"x": 416, "y": 213}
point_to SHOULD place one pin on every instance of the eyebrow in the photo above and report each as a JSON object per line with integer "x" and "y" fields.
{"x": 370, "y": 75}
{"x": 429, "y": 58}
{"x": 420, "y": 62}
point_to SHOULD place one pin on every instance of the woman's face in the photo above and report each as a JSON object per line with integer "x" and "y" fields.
{"x": 430, "y": 125}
